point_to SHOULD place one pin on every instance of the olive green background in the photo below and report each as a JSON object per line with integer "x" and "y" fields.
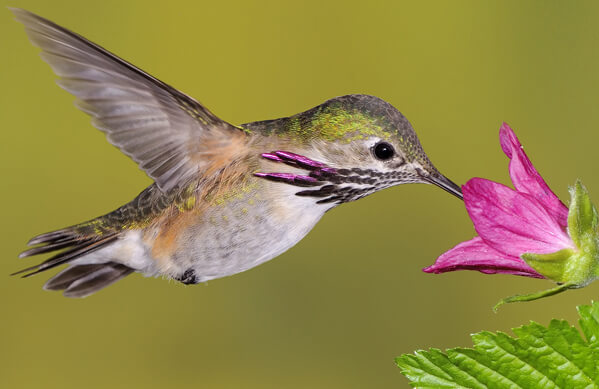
{"x": 335, "y": 310}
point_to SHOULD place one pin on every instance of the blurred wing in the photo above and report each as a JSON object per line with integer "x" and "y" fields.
{"x": 169, "y": 134}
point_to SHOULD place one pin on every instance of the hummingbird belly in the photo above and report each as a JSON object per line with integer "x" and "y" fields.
{"x": 230, "y": 235}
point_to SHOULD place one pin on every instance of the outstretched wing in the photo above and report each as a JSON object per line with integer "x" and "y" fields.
{"x": 169, "y": 134}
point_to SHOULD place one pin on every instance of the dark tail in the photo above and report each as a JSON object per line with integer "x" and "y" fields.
{"x": 83, "y": 280}
{"x": 72, "y": 243}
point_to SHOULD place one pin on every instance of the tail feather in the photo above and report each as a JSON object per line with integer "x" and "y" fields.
{"x": 78, "y": 248}
{"x": 83, "y": 280}
{"x": 78, "y": 280}
{"x": 70, "y": 244}
{"x": 51, "y": 236}
{"x": 54, "y": 246}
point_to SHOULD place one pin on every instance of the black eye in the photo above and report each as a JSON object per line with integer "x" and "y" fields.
{"x": 384, "y": 151}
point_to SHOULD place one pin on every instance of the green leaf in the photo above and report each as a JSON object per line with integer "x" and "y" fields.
{"x": 589, "y": 321}
{"x": 556, "y": 356}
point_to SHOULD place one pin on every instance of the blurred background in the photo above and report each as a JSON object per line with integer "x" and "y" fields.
{"x": 335, "y": 310}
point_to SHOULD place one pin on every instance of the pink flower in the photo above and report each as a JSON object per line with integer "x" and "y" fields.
{"x": 510, "y": 223}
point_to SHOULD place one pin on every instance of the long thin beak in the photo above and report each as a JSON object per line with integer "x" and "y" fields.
{"x": 446, "y": 184}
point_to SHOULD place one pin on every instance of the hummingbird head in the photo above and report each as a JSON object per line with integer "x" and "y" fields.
{"x": 353, "y": 146}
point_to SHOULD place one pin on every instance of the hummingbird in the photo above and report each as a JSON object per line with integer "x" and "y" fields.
{"x": 225, "y": 198}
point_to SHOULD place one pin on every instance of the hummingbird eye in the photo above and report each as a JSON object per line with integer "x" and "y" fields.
{"x": 383, "y": 151}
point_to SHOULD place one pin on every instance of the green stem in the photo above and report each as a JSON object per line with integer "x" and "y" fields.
{"x": 533, "y": 296}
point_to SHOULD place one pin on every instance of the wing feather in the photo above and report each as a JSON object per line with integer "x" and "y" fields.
{"x": 162, "y": 129}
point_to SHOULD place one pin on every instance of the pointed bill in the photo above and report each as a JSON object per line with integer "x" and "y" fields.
{"x": 445, "y": 183}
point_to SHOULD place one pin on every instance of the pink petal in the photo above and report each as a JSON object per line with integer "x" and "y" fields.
{"x": 512, "y": 223}
{"x": 475, "y": 254}
{"x": 526, "y": 178}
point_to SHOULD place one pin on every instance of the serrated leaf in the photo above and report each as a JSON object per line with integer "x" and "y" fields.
{"x": 556, "y": 356}
{"x": 589, "y": 321}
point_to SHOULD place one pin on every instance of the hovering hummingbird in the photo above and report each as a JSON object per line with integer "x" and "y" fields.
{"x": 225, "y": 198}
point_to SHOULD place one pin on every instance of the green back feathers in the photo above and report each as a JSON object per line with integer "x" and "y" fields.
{"x": 335, "y": 122}
{"x": 347, "y": 119}
{"x": 344, "y": 119}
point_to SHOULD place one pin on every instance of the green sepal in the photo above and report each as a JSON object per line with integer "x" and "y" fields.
{"x": 552, "y": 266}
{"x": 578, "y": 266}
{"x": 534, "y": 296}
{"x": 582, "y": 217}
